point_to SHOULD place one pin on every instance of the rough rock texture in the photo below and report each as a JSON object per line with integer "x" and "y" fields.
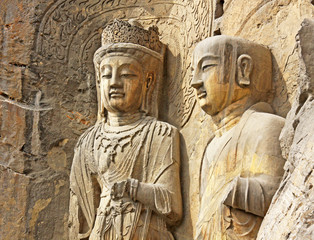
{"x": 13, "y": 204}
{"x": 273, "y": 23}
{"x": 33, "y": 200}
{"x": 48, "y": 96}
{"x": 291, "y": 215}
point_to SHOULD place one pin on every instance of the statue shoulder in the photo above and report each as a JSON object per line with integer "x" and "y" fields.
{"x": 164, "y": 129}
{"x": 266, "y": 123}
{"x": 261, "y": 132}
{"x": 87, "y": 136}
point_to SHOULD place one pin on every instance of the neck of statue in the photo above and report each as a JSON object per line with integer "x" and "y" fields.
{"x": 230, "y": 116}
{"x": 122, "y": 119}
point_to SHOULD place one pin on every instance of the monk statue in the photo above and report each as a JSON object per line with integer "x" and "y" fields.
{"x": 124, "y": 180}
{"x": 242, "y": 165}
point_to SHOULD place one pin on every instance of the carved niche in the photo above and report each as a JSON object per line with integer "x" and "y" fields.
{"x": 70, "y": 31}
{"x": 124, "y": 180}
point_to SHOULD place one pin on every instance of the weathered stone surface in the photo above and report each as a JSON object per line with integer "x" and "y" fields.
{"x": 13, "y": 204}
{"x": 291, "y": 213}
{"x": 17, "y": 36}
{"x": 69, "y": 33}
{"x": 11, "y": 83}
{"x": 193, "y": 144}
{"x": 46, "y": 51}
{"x": 242, "y": 166}
{"x": 12, "y": 138}
{"x": 133, "y": 175}
{"x": 47, "y": 206}
{"x": 274, "y": 24}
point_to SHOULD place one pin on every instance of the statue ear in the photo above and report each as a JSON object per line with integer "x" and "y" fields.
{"x": 149, "y": 79}
{"x": 244, "y": 69}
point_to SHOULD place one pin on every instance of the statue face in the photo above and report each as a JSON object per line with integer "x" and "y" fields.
{"x": 121, "y": 84}
{"x": 211, "y": 92}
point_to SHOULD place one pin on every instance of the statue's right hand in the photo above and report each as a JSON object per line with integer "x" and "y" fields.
{"x": 119, "y": 190}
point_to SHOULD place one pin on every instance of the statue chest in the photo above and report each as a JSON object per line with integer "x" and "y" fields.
{"x": 220, "y": 164}
{"x": 118, "y": 155}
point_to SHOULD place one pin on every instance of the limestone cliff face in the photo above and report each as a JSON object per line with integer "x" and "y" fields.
{"x": 291, "y": 213}
{"x": 48, "y": 98}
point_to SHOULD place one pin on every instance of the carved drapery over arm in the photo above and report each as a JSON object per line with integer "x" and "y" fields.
{"x": 82, "y": 205}
{"x": 262, "y": 165}
{"x": 134, "y": 155}
{"x": 159, "y": 191}
{"x": 163, "y": 195}
{"x": 245, "y": 164}
{"x": 253, "y": 194}
{"x": 74, "y": 226}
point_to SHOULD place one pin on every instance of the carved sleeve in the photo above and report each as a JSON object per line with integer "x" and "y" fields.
{"x": 74, "y": 226}
{"x": 262, "y": 166}
{"x": 164, "y": 195}
{"x": 253, "y": 194}
{"x": 82, "y": 210}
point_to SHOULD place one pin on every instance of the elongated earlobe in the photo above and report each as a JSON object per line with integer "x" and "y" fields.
{"x": 244, "y": 69}
{"x": 149, "y": 79}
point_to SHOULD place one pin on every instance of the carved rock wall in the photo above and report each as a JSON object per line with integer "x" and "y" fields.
{"x": 34, "y": 193}
{"x": 272, "y": 23}
{"x": 291, "y": 213}
{"x": 48, "y": 95}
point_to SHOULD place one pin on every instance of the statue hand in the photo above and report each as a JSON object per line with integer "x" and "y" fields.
{"x": 120, "y": 190}
{"x": 126, "y": 188}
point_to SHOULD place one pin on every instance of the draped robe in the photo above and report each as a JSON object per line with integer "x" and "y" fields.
{"x": 244, "y": 161}
{"x": 148, "y": 151}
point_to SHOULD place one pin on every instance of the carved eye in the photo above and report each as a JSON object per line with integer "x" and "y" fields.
{"x": 106, "y": 76}
{"x": 207, "y": 67}
{"x": 127, "y": 75}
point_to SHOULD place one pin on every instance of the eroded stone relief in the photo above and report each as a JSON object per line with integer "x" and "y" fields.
{"x": 73, "y": 28}
{"x": 125, "y": 180}
{"x": 48, "y": 98}
{"x": 242, "y": 165}
{"x": 290, "y": 215}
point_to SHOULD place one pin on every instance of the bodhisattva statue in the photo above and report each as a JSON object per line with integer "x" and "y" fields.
{"x": 125, "y": 174}
{"x": 242, "y": 166}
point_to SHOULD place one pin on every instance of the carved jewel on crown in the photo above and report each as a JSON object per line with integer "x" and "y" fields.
{"x": 124, "y": 32}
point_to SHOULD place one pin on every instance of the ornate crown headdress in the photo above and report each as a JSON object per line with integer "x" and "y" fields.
{"x": 124, "y": 32}
{"x": 129, "y": 38}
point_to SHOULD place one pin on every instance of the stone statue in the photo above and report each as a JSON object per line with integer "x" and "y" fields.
{"x": 125, "y": 174}
{"x": 242, "y": 165}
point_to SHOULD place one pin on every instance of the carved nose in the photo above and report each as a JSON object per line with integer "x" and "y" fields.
{"x": 115, "y": 80}
{"x": 196, "y": 83}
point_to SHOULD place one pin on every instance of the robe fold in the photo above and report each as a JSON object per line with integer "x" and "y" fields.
{"x": 147, "y": 151}
{"x": 245, "y": 165}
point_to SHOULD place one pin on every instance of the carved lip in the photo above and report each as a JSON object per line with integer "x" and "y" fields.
{"x": 116, "y": 94}
{"x": 201, "y": 94}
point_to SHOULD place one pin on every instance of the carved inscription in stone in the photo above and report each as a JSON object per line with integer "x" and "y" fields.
{"x": 242, "y": 165}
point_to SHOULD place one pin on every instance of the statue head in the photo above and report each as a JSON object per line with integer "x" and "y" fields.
{"x": 227, "y": 69}
{"x": 129, "y": 68}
